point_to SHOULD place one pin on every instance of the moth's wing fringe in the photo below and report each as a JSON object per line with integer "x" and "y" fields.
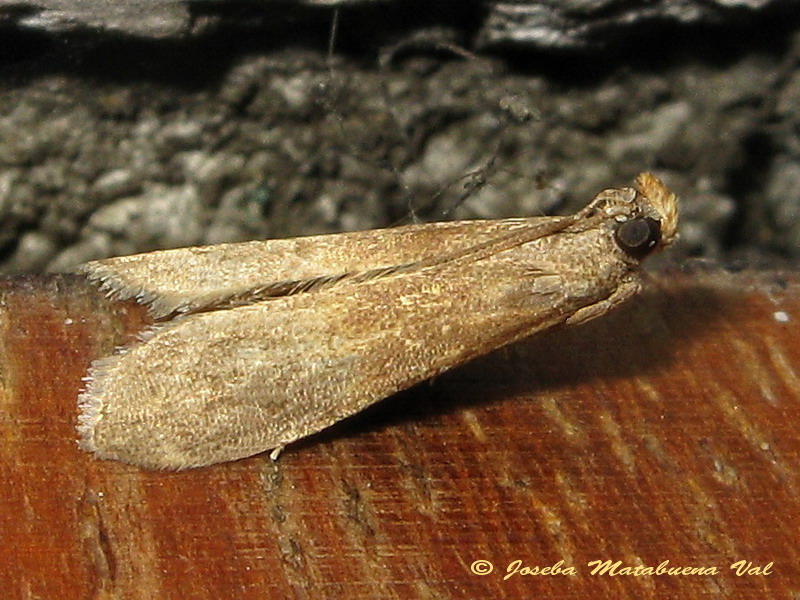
{"x": 116, "y": 288}
{"x": 90, "y": 400}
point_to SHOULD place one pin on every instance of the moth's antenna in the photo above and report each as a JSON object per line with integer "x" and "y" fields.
{"x": 332, "y": 40}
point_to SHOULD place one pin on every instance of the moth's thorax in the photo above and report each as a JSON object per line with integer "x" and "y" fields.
{"x": 585, "y": 262}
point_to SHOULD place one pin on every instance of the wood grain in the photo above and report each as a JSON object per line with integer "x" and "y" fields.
{"x": 663, "y": 431}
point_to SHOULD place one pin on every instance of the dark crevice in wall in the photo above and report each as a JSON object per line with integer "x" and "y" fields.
{"x": 363, "y": 33}
{"x": 746, "y": 183}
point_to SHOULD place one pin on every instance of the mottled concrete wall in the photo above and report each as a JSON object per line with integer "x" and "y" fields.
{"x": 228, "y": 122}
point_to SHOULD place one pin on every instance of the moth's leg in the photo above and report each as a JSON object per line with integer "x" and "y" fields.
{"x": 276, "y": 452}
{"x": 622, "y": 293}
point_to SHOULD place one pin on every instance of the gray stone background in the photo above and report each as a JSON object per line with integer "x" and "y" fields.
{"x": 130, "y": 126}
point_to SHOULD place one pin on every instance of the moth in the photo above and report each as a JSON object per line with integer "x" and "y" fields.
{"x": 258, "y": 344}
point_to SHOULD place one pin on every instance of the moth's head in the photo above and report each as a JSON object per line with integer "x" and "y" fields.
{"x": 645, "y": 217}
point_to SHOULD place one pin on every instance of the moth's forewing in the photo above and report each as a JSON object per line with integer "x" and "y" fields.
{"x": 190, "y": 279}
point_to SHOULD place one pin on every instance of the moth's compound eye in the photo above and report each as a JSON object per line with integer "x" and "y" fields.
{"x": 638, "y": 236}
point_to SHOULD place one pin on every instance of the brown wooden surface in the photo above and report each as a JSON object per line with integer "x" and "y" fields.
{"x": 664, "y": 431}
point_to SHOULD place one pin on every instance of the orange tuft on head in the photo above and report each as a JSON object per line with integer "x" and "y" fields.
{"x": 663, "y": 201}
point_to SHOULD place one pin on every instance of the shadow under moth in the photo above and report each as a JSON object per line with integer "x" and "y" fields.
{"x": 259, "y": 344}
